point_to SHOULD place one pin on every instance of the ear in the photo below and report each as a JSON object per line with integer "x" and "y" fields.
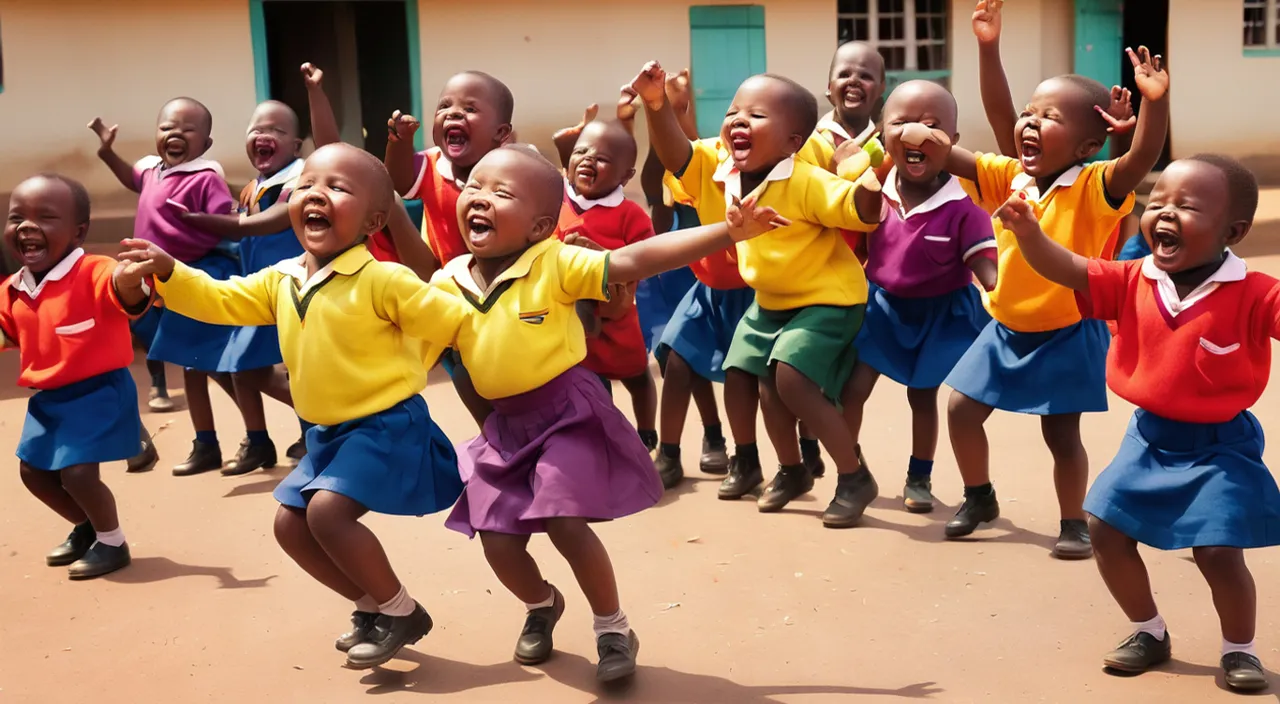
{"x": 830, "y": 98}
{"x": 297, "y": 147}
{"x": 208, "y": 143}
{"x": 1237, "y": 230}
{"x": 82, "y": 232}
{"x": 796, "y": 142}
{"x": 376, "y": 222}
{"x": 630, "y": 175}
{"x": 955, "y": 139}
{"x": 504, "y": 131}
{"x": 542, "y": 228}
{"x": 1088, "y": 148}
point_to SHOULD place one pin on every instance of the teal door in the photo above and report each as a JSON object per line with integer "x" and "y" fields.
{"x": 1099, "y": 47}
{"x": 726, "y": 46}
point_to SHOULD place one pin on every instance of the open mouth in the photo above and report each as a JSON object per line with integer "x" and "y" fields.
{"x": 175, "y": 147}
{"x": 315, "y": 222}
{"x": 479, "y": 229}
{"x": 1165, "y": 243}
{"x": 853, "y": 97}
{"x": 740, "y": 143}
{"x": 456, "y": 140}
{"x": 264, "y": 150}
{"x": 914, "y": 163}
{"x": 1030, "y": 150}
{"x": 585, "y": 175}
{"x": 32, "y": 250}
{"x": 913, "y": 156}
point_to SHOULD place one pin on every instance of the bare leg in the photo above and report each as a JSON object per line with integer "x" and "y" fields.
{"x": 294, "y": 536}
{"x": 1070, "y": 462}
{"x": 965, "y": 420}
{"x": 509, "y": 557}
{"x": 856, "y": 392}
{"x": 589, "y": 560}
{"x": 83, "y": 483}
{"x": 1234, "y": 595}
{"x": 1123, "y": 571}
{"x": 805, "y": 400}
{"x": 779, "y": 423}
{"x": 249, "y": 401}
{"x": 644, "y": 399}
{"x": 196, "y": 385}
{"x": 677, "y": 388}
{"x": 47, "y": 486}
{"x": 924, "y": 422}
{"x": 741, "y": 401}
{"x": 334, "y": 520}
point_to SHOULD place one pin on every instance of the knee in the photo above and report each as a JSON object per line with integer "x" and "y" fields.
{"x": 1218, "y": 561}
{"x": 962, "y": 410}
{"x": 567, "y": 533}
{"x": 1106, "y": 539}
{"x": 328, "y": 516}
{"x": 80, "y": 477}
{"x": 500, "y": 548}
{"x": 923, "y": 400}
{"x": 290, "y": 526}
{"x": 676, "y": 370}
{"x": 1062, "y": 435}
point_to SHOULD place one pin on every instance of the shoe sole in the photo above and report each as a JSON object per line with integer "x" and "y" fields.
{"x": 1249, "y": 686}
{"x": 150, "y": 465}
{"x": 81, "y": 576}
{"x": 772, "y": 508}
{"x": 717, "y": 469}
{"x": 952, "y": 533}
{"x": 1070, "y": 556}
{"x": 1129, "y": 668}
{"x": 388, "y": 657}
{"x": 235, "y": 470}
{"x": 913, "y": 507}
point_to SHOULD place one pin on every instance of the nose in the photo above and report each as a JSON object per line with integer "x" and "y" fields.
{"x": 315, "y": 196}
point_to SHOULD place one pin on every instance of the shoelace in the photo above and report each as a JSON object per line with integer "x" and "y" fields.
{"x": 618, "y": 644}
{"x": 535, "y": 623}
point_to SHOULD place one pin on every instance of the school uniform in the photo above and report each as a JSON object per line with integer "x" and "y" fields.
{"x": 612, "y": 222}
{"x": 72, "y": 335}
{"x": 199, "y": 187}
{"x": 820, "y": 150}
{"x": 1189, "y": 471}
{"x": 810, "y": 289}
{"x": 555, "y": 445}
{"x": 1037, "y": 355}
{"x": 258, "y": 347}
{"x": 357, "y": 338}
{"x": 923, "y": 311}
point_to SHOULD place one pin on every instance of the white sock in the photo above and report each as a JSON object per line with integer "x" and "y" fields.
{"x": 614, "y": 623}
{"x": 399, "y": 605}
{"x": 545, "y": 603}
{"x": 1229, "y": 647}
{"x": 1155, "y": 627}
{"x": 367, "y": 604}
{"x": 114, "y": 538}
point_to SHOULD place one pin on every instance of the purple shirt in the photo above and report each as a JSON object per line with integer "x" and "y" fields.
{"x": 198, "y": 186}
{"x": 922, "y": 253}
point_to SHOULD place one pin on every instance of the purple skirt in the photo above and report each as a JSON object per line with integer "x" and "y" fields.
{"x": 562, "y": 450}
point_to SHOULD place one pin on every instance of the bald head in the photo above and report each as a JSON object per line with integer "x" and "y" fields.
{"x": 278, "y": 112}
{"x": 189, "y": 108}
{"x": 914, "y": 99}
{"x": 521, "y": 163}
{"x": 359, "y": 166}
{"x": 612, "y": 137}
{"x": 857, "y": 54}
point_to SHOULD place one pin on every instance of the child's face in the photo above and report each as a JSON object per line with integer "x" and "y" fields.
{"x": 759, "y": 129}
{"x": 467, "y": 124}
{"x": 911, "y": 116}
{"x": 499, "y": 211}
{"x": 1187, "y": 221}
{"x": 1057, "y": 129}
{"x": 272, "y": 141}
{"x": 42, "y": 226}
{"x": 182, "y": 133}
{"x": 856, "y": 81}
{"x": 601, "y": 160}
{"x": 334, "y": 204}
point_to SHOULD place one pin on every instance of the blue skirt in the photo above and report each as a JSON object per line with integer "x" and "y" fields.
{"x": 1177, "y": 485}
{"x": 917, "y": 341}
{"x": 90, "y": 421}
{"x": 702, "y": 327}
{"x": 258, "y": 347}
{"x": 190, "y": 343}
{"x": 656, "y": 301}
{"x": 397, "y": 461}
{"x": 144, "y": 328}
{"x": 1041, "y": 373}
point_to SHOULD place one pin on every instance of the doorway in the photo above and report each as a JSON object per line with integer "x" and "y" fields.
{"x": 726, "y": 47}
{"x": 368, "y": 50}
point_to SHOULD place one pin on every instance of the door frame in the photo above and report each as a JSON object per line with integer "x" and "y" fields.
{"x": 262, "y": 70}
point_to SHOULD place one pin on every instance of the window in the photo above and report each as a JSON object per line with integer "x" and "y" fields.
{"x": 1261, "y": 26}
{"x": 911, "y": 35}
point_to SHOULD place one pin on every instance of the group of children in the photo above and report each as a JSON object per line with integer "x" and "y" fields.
{"x": 825, "y": 252}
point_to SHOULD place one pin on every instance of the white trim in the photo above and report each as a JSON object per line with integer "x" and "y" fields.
{"x": 297, "y": 269}
{"x": 936, "y": 238}
{"x": 612, "y": 200}
{"x": 985, "y": 244}
{"x": 75, "y": 327}
{"x": 25, "y": 281}
{"x": 151, "y": 162}
{"x": 1215, "y": 349}
{"x": 281, "y": 177}
{"x": 1025, "y": 183}
{"x": 1233, "y": 269}
{"x": 950, "y": 191}
{"x": 729, "y": 175}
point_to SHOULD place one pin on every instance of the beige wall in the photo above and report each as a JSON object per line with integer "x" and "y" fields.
{"x": 70, "y": 60}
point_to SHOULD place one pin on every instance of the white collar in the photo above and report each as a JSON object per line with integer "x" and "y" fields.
{"x": 1024, "y": 182}
{"x": 283, "y": 176}
{"x": 1233, "y": 269}
{"x": 153, "y": 161}
{"x": 612, "y": 200}
{"x": 828, "y": 123}
{"x": 297, "y": 268}
{"x": 444, "y": 167}
{"x": 950, "y": 191}
{"x": 25, "y": 281}
{"x": 729, "y": 175}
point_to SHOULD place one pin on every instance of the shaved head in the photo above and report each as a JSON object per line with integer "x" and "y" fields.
{"x": 924, "y": 97}
{"x": 367, "y": 168}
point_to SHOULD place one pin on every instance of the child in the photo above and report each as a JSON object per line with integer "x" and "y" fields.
{"x": 374, "y": 446}
{"x": 473, "y": 117}
{"x": 179, "y": 179}
{"x": 797, "y": 337}
{"x": 923, "y": 311}
{"x": 555, "y": 453}
{"x": 68, "y": 314}
{"x": 1037, "y": 356}
{"x": 1189, "y": 472}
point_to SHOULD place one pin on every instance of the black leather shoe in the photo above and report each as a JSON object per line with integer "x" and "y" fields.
{"x": 535, "y": 644}
{"x": 1138, "y": 653}
{"x": 390, "y": 634}
{"x": 1073, "y": 541}
{"x": 99, "y": 560}
{"x": 362, "y": 623}
{"x": 617, "y": 656}
{"x": 74, "y": 548}
{"x": 297, "y": 450}
{"x": 715, "y": 458}
{"x": 974, "y": 511}
{"x": 744, "y": 477}
{"x": 251, "y": 457}
{"x": 1243, "y": 672}
{"x": 817, "y": 468}
{"x": 204, "y": 457}
{"x": 670, "y": 471}
{"x": 854, "y": 493}
{"x": 146, "y": 460}
{"x": 790, "y": 482}
{"x": 917, "y": 495}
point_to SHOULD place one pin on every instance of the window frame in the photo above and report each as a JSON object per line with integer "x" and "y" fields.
{"x": 1271, "y": 28}
{"x": 910, "y": 43}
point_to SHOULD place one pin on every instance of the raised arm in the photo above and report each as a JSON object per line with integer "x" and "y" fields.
{"x": 997, "y": 100}
{"x": 399, "y": 158}
{"x": 680, "y": 95}
{"x": 665, "y": 134}
{"x": 324, "y": 124}
{"x": 1124, "y": 174}
{"x": 410, "y": 246}
{"x": 271, "y": 221}
{"x": 107, "y": 153}
{"x": 662, "y": 215}
{"x": 191, "y": 292}
{"x": 565, "y": 139}
{"x": 962, "y": 163}
{"x": 1050, "y": 259}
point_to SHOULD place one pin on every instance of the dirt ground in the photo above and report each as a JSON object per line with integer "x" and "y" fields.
{"x": 731, "y": 605}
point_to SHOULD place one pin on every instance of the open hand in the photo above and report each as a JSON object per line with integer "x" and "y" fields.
{"x": 142, "y": 258}
{"x": 1119, "y": 115}
{"x": 626, "y": 111}
{"x": 986, "y": 21}
{"x": 402, "y": 126}
{"x": 680, "y": 91}
{"x": 746, "y": 220}
{"x": 1018, "y": 217}
{"x": 1149, "y": 73}
{"x": 572, "y": 133}
{"x": 650, "y": 85}
{"x": 311, "y": 75}
{"x": 107, "y": 135}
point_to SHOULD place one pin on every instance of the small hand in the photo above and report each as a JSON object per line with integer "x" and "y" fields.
{"x": 650, "y": 85}
{"x": 576, "y": 240}
{"x": 107, "y": 135}
{"x": 746, "y": 220}
{"x": 1149, "y": 73}
{"x": 312, "y": 75}
{"x": 1119, "y": 115}
{"x": 1017, "y": 216}
{"x": 846, "y": 149}
{"x": 143, "y": 258}
{"x": 626, "y": 111}
{"x": 402, "y": 126}
{"x": 986, "y": 21}
{"x": 680, "y": 91}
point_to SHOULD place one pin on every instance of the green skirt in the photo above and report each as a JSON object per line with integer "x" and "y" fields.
{"x": 816, "y": 340}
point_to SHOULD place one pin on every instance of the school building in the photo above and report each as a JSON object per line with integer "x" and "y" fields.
{"x": 63, "y": 63}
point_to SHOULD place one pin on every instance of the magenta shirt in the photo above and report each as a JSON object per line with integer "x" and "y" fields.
{"x": 922, "y": 253}
{"x": 198, "y": 185}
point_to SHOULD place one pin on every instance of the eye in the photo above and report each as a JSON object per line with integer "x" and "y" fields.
{"x": 471, "y": 110}
{"x": 1024, "y": 114}
{"x": 758, "y": 116}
